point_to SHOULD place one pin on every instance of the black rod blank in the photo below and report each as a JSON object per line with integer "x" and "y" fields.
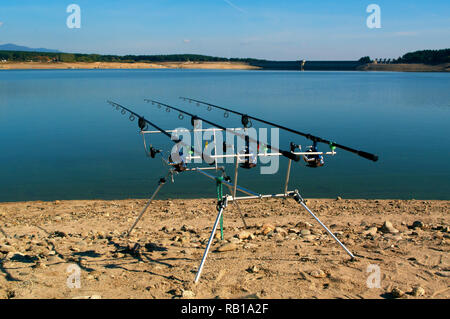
{"x": 363, "y": 154}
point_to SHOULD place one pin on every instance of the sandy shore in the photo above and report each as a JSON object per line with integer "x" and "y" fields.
{"x": 283, "y": 254}
{"x": 117, "y": 65}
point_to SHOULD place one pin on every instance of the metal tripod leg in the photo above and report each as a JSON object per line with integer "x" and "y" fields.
{"x": 161, "y": 182}
{"x": 238, "y": 207}
{"x": 300, "y": 200}
{"x": 222, "y": 205}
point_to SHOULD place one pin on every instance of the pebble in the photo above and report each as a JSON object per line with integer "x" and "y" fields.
{"x": 188, "y": 228}
{"x": 388, "y": 228}
{"x": 418, "y": 224}
{"x": 245, "y": 235}
{"x": 305, "y": 232}
{"x": 397, "y": 292}
{"x": 101, "y": 235}
{"x": 227, "y": 247}
{"x": 253, "y": 269}
{"x": 281, "y": 231}
{"x": 57, "y": 233}
{"x": 267, "y": 228}
{"x": 188, "y": 294}
{"x": 309, "y": 237}
{"x": 418, "y": 291}
{"x": 318, "y": 273}
{"x": 303, "y": 225}
{"x": 371, "y": 231}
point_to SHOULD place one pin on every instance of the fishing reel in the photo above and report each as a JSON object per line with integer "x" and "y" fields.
{"x": 313, "y": 160}
{"x": 179, "y": 167}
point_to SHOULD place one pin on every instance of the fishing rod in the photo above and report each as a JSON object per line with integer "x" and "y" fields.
{"x": 287, "y": 154}
{"x": 142, "y": 123}
{"x": 245, "y": 119}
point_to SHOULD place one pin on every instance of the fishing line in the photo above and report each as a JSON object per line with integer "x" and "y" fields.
{"x": 245, "y": 117}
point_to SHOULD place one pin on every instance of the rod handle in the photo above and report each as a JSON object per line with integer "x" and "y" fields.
{"x": 291, "y": 156}
{"x": 368, "y": 156}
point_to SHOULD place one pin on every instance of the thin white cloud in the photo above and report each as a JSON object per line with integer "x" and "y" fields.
{"x": 235, "y": 6}
{"x": 1, "y": 23}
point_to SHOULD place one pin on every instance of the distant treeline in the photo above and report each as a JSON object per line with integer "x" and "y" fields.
{"x": 24, "y": 56}
{"x": 431, "y": 57}
{"x": 426, "y": 57}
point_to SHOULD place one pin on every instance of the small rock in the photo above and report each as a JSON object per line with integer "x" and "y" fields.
{"x": 57, "y": 234}
{"x": 188, "y": 228}
{"x": 118, "y": 255}
{"x": 10, "y": 294}
{"x": 188, "y": 294}
{"x": 267, "y": 228}
{"x": 339, "y": 198}
{"x": 418, "y": 224}
{"x": 101, "y": 235}
{"x": 397, "y": 292}
{"x": 303, "y": 225}
{"x": 318, "y": 273}
{"x": 227, "y": 247}
{"x": 281, "y": 231}
{"x": 305, "y": 232}
{"x": 253, "y": 269}
{"x": 418, "y": 291}
{"x": 293, "y": 231}
{"x": 388, "y": 228}
{"x": 245, "y": 235}
{"x": 371, "y": 231}
{"x": 309, "y": 237}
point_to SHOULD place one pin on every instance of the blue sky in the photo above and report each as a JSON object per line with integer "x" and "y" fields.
{"x": 270, "y": 29}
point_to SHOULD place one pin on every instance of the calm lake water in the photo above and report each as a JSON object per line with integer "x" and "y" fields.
{"x": 59, "y": 139}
